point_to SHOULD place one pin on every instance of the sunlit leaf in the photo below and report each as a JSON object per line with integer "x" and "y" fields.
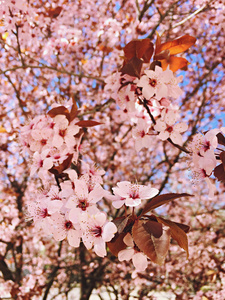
{"x": 155, "y": 248}
{"x": 176, "y": 233}
{"x": 2, "y": 129}
{"x": 179, "y": 45}
{"x": 175, "y": 63}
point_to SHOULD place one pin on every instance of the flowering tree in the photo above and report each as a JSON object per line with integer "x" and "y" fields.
{"x": 112, "y": 149}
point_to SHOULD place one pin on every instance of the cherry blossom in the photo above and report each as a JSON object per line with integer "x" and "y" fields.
{"x": 168, "y": 131}
{"x": 134, "y": 193}
{"x": 139, "y": 260}
{"x": 96, "y": 232}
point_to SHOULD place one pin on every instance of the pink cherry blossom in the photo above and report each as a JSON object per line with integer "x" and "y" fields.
{"x": 167, "y": 131}
{"x": 139, "y": 260}
{"x": 97, "y": 231}
{"x": 134, "y": 193}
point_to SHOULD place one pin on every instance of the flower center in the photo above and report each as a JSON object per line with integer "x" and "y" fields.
{"x": 68, "y": 225}
{"x": 83, "y": 204}
{"x": 152, "y": 82}
{"x": 169, "y": 129}
{"x": 97, "y": 231}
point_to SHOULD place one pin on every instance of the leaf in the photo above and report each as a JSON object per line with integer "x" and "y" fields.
{"x": 177, "y": 46}
{"x": 219, "y": 171}
{"x": 57, "y": 170}
{"x": 175, "y": 63}
{"x": 132, "y": 67}
{"x": 2, "y": 129}
{"x": 60, "y": 110}
{"x": 221, "y": 138}
{"x": 176, "y": 233}
{"x": 121, "y": 223}
{"x": 117, "y": 244}
{"x": 160, "y": 200}
{"x": 55, "y": 12}
{"x": 74, "y": 111}
{"x": 164, "y": 55}
{"x": 142, "y": 49}
{"x": 88, "y": 123}
{"x": 153, "y": 228}
{"x": 155, "y": 248}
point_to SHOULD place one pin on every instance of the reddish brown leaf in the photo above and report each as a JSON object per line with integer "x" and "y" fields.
{"x": 117, "y": 244}
{"x": 153, "y": 228}
{"x": 140, "y": 49}
{"x": 132, "y": 67}
{"x": 55, "y": 12}
{"x": 165, "y": 54}
{"x": 160, "y": 200}
{"x": 74, "y": 111}
{"x": 121, "y": 223}
{"x": 87, "y": 123}
{"x": 184, "y": 227}
{"x": 222, "y": 157}
{"x": 177, "y": 233}
{"x": 179, "y": 45}
{"x": 219, "y": 173}
{"x": 60, "y": 110}
{"x": 56, "y": 170}
{"x": 221, "y": 138}
{"x": 155, "y": 248}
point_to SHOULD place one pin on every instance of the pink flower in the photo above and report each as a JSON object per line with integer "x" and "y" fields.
{"x": 64, "y": 132}
{"x": 142, "y": 139}
{"x": 134, "y": 193}
{"x": 83, "y": 201}
{"x": 154, "y": 83}
{"x": 41, "y": 211}
{"x": 96, "y": 232}
{"x": 64, "y": 228}
{"x": 170, "y": 131}
{"x": 138, "y": 258}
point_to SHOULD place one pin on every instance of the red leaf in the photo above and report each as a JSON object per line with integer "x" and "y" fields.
{"x": 155, "y": 248}
{"x": 176, "y": 233}
{"x": 60, "y": 110}
{"x": 132, "y": 67}
{"x": 219, "y": 173}
{"x": 87, "y": 123}
{"x": 221, "y": 138}
{"x": 55, "y": 12}
{"x": 74, "y": 111}
{"x": 153, "y": 228}
{"x": 57, "y": 170}
{"x": 160, "y": 200}
{"x": 117, "y": 244}
{"x": 177, "y": 46}
{"x": 139, "y": 49}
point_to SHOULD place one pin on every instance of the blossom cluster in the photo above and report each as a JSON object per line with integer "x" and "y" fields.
{"x": 147, "y": 103}
{"x": 50, "y": 141}
{"x": 73, "y": 212}
{"x": 205, "y": 156}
